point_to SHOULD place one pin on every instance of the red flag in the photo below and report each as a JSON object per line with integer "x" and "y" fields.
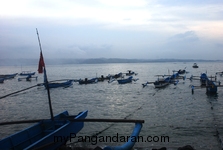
{"x": 41, "y": 63}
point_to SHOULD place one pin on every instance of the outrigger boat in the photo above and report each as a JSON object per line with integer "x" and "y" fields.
{"x": 159, "y": 83}
{"x": 130, "y": 73}
{"x": 210, "y": 85}
{"x": 220, "y": 73}
{"x": 26, "y": 73}
{"x": 60, "y": 127}
{"x": 171, "y": 79}
{"x": 181, "y": 71}
{"x": 42, "y": 135}
{"x": 86, "y": 81}
{"x": 112, "y": 78}
{"x": 2, "y": 80}
{"x": 195, "y": 65}
{"x": 119, "y": 75}
{"x": 203, "y": 78}
{"x": 124, "y": 81}
{"x": 65, "y": 84}
{"x": 28, "y": 78}
{"x": 127, "y": 80}
{"x": 8, "y": 76}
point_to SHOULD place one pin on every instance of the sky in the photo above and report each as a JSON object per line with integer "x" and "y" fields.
{"x": 132, "y": 29}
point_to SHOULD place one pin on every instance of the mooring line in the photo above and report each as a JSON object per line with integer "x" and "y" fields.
{"x": 39, "y": 84}
{"x": 19, "y": 91}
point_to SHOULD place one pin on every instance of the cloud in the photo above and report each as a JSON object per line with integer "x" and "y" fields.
{"x": 98, "y": 28}
{"x": 188, "y": 36}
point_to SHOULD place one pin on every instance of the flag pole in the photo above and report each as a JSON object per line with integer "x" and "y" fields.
{"x": 45, "y": 79}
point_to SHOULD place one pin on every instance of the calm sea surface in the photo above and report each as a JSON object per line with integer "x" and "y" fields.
{"x": 172, "y": 111}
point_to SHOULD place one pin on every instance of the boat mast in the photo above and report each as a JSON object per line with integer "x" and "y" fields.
{"x": 46, "y": 81}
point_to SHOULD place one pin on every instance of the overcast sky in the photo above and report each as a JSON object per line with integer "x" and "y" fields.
{"x": 147, "y": 29}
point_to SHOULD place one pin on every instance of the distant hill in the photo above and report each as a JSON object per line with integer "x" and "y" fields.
{"x": 24, "y": 62}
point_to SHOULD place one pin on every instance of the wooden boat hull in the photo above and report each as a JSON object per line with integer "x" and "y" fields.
{"x": 50, "y": 133}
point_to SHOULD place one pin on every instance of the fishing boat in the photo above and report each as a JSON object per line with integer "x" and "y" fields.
{"x": 124, "y": 81}
{"x": 67, "y": 83}
{"x": 203, "y": 78}
{"x": 2, "y": 80}
{"x": 119, "y": 75}
{"x": 206, "y": 82}
{"x": 211, "y": 87}
{"x": 28, "y": 78}
{"x": 86, "y": 81}
{"x": 51, "y": 134}
{"x": 26, "y": 73}
{"x": 101, "y": 79}
{"x": 8, "y": 76}
{"x": 130, "y": 72}
{"x": 111, "y": 80}
{"x": 181, "y": 71}
{"x": 220, "y": 73}
{"x": 42, "y": 134}
{"x": 162, "y": 82}
{"x": 195, "y": 65}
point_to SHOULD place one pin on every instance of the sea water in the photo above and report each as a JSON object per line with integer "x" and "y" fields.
{"x": 173, "y": 111}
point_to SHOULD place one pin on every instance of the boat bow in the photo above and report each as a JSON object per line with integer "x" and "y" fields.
{"x": 131, "y": 141}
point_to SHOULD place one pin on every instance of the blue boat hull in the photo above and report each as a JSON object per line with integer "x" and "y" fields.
{"x": 62, "y": 84}
{"x": 8, "y": 76}
{"x": 131, "y": 142}
{"x": 2, "y": 80}
{"x": 124, "y": 81}
{"x": 50, "y": 133}
{"x": 86, "y": 81}
{"x": 211, "y": 87}
{"x": 26, "y": 74}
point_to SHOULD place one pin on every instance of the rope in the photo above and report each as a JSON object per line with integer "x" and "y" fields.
{"x": 40, "y": 84}
{"x": 19, "y": 91}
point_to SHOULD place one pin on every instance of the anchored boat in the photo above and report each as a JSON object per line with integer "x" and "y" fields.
{"x": 27, "y": 73}
{"x": 51, "y": 134}
{"x": 195, "y": 65}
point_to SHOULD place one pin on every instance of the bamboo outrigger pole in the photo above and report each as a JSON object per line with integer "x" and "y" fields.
{"x": 76, "y": 120}
{"x": 45, "y": 77}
